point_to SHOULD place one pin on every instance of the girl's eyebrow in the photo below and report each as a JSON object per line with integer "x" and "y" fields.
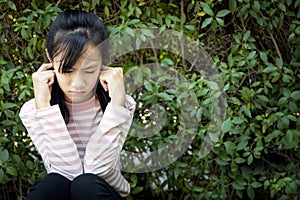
{"x": 90, "y": 67}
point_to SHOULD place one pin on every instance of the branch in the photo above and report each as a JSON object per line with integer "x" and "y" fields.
{"x": 57, "y": 3}
{"x": 276, "y": 46}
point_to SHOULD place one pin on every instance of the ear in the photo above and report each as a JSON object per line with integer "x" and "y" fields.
{"x": 48, "y": 55}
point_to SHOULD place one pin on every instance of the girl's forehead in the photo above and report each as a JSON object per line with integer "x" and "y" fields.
{"x": 90, "y": 54}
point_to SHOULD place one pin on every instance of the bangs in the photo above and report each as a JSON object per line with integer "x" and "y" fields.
{"x": 69, "y": 46}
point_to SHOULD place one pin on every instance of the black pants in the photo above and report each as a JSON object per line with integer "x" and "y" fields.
{"x": 84, "y": 187}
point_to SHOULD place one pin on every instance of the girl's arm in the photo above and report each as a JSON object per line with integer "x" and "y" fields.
{"x": 48, "y": 131}
{"x": 104, "y": 147}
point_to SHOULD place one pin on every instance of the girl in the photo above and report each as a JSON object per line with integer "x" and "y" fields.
{"x": 80, "y": 115}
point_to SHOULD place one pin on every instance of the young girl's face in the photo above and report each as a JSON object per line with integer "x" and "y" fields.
{"x": 79, "y": 83}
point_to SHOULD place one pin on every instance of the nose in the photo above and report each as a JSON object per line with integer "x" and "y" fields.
{"x": 78, "y": 81}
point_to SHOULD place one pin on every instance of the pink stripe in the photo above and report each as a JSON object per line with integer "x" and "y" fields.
{"x": 61, "y": 146}
{"x": 101, "y": 163}
{"x": 91, "y": 112}
{"x": 58, "y": 137}
{"x": 79, "y": 127}
{"x": 62, "y": 163}
{"x": 71, "y": 171}
{"x": 52, "y": 114}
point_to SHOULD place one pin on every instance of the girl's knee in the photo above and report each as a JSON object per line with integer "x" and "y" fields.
{"x": 85, "y": 181}
{"x": 52, "y": 186}
{"x": 91, "y": 186}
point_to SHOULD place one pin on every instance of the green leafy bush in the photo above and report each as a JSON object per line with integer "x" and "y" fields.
{"x": 254, "y": 44}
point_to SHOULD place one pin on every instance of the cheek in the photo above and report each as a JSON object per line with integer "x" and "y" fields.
{"x": 93, "y": 79}
{"x": 63, "y": 81}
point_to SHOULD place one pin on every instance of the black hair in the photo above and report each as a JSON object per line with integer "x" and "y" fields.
{"x": 69, "y": 33}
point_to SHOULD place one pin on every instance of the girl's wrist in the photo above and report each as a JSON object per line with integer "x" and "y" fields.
{"x": 41, "y": 105}
{"x": 118, "y": 100}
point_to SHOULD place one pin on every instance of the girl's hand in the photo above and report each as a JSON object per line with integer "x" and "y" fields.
{"x": 43, "y": 79}
{"x": 111, "y": 79}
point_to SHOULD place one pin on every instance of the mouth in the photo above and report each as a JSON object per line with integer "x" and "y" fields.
{"x": 76, "y": 92}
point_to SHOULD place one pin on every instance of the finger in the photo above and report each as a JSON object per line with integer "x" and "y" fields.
{"x": 52, "y": 78}
{"x": 108, "y": 69}
{"x": 105, "y": 69}
{"x": 44, "y": 67}
{"x": 104, "y": 85}
{"x": 112, "y": 71}
{"x": 103, "y": 82}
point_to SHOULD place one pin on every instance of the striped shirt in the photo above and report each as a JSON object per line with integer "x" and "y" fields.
{"x": 90, "y": 143}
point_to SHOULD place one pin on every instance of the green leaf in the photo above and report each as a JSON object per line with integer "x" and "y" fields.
{"x": 263, "y": 98}
{"x": 137, "y": 190}
{"x": 251, "y": 55}
{"x": 246, "y": 111}
{"x": 282, "y": 7}
{"x": 214, "y": 137}
{"x": 220, "y": 21}
{"x": 256, "y": 6}
{"x": 4, "y": 155}
{"x": 176, "y": 173}
{"x": 239, "y": 160}
{"x": 279, "y": 62}
{"x": 12, "y": 171}
{"x": 148, "y": 85}
{"x": 174, "y": 18}
{"x": 123, "y": 3}
{"x": 272, "y": 135}
{"x": 250, "y": 159}
{"x": 134, "y": 178}
{"x": 138, "y": 42}
{"x": 182, "y": 19}
{"x": 165, "y": 96}
{"x": 238, "y": 186}
{"x": 3, "y": 139}
{"x": 12, "y": 5}
{"x": 212, "y": 85}
{"x": 106, "y": 11}
{"x": 232, "y": 5}
{"x": 296, "y": 95}
{"x": 263, "y": 57}
{"x": 293, "y": 118}
{"x": 230, "y": 147}
{"x": 246, "y": 35}
{"x": 9, "y": 105}
{"x": 289, "y": 136}
{"x": 242, "y": 145}
{"x": 1, "y": 175}
{"x": 270, "y": 69}
{"x": 206, "y": 22}
{"x": 226, "y": 126}
{"x": 250, "y": 193}
{"x": 134, "y": 21}
{"x": 167, "y": 62}
{"x": 282, "y": 101}
{"x": 256, "y": 184}
{"x": 190, "y": 27}
{"x": 168, "y": 22}
{"x": 297, "y": 4}
{"x": 29, "y": 164}
{"x": 241, "y": 63}
{"x": 223, "y": 13}
{"x": 207, "y": 9}
{"x": 238, "y": 120}
{"x": 221, "y": 162}
{"x": 148, "y": 33}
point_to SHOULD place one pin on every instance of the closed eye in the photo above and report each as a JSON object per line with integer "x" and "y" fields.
{"x": 89, "y": 72}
